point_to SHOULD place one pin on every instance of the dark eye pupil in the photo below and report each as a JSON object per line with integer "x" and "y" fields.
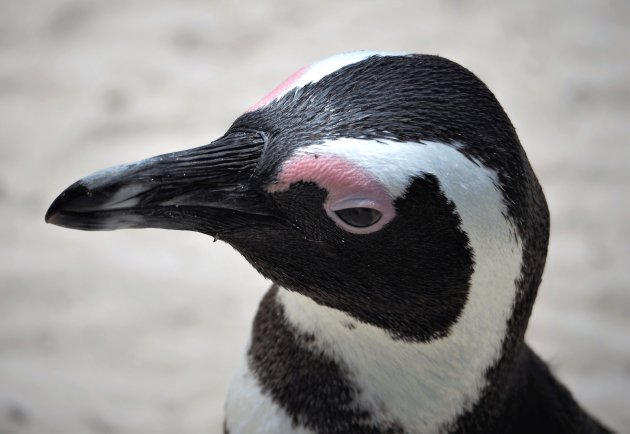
{"x": 359, "y": 217}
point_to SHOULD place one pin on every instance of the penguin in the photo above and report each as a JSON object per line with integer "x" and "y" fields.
{"x": 388, "y": 199}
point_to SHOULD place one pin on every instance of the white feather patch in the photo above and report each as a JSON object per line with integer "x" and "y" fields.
{"x": 315, "y": 72}
{"x": 425, "y": 386}
{"x": 320, "y": 69}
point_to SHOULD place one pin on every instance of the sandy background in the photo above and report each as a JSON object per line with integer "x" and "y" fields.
{"x": 138, "y": 331}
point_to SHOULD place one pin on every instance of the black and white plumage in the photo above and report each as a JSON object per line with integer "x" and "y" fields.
{"x": 388, "y": 198}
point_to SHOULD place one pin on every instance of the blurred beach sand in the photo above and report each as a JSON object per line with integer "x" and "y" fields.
{"x": 139, "y": 331}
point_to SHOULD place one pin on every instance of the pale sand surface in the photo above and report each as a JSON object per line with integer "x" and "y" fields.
{"x": 139, "y": 331}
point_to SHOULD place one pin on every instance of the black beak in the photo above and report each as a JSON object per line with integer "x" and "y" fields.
{"x": 207, "y": 189}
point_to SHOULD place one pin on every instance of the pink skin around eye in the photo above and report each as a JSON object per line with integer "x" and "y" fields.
{"x": 277, "y": 91}
{"x": 348, "y": 186}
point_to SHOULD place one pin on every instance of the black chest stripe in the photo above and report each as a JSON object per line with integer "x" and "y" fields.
{"x": 311, "y": 387}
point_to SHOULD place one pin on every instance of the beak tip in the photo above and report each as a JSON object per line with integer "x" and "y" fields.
{"x": 72, "y": 199}
{"x": 52, "y": 214}
{"x": 50, "y": 217}
{"x": 86, "y": 205}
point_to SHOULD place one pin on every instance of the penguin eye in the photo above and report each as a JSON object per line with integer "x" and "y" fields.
{"x": 361, "y": 213}
{"x": 359, "y": 217}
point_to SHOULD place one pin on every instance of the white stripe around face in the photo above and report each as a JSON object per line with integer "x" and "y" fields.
{"x": 320, "y": 69}
{"x": 425, "y": 386}
{"x": 316, "y": 71}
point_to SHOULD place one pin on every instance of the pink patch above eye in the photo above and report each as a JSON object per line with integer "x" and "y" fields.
{"x": 348, "y": 186}
{"x": 278, "y": 90}
{"x": 330, "y": 172}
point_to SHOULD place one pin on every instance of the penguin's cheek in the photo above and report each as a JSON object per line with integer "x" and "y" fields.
{"x": 355, "y": 201}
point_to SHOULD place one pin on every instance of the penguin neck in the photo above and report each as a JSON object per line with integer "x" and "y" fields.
{"x": 416, "y": 386}
{"x": 395, "y": 384}
{"x": 421, "y": 387}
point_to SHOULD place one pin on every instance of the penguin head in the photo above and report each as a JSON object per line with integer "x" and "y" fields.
{"x": 388, "y": 186}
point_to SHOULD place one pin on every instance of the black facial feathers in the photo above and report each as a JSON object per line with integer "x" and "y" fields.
{"x": 412, "y": 283}
{"x": 415, "y": 98}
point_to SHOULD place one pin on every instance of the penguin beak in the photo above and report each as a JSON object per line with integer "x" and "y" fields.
{"x": 206, "y": 189}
